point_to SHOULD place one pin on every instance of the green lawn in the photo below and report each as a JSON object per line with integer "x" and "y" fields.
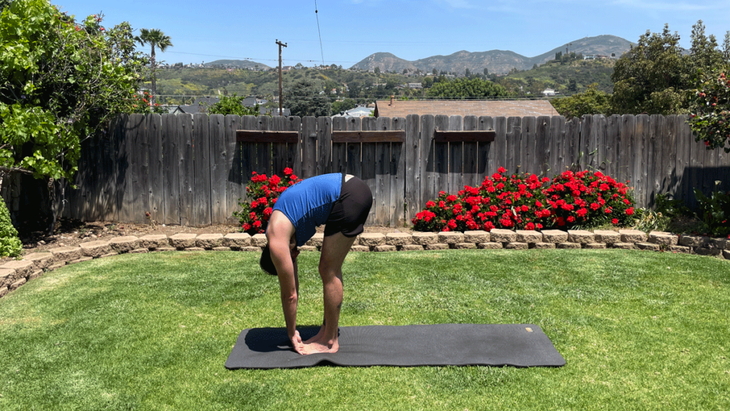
{"x": 639, "y": 330}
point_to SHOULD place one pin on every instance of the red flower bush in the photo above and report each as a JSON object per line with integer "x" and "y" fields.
{"x": 530, "y": 203}
{"x": 262, "y": 193}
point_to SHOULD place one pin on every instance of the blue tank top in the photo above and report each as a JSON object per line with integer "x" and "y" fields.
{"x": 308, "y": 203}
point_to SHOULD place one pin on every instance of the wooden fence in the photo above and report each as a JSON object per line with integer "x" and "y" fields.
{"x": 192, "y": 170}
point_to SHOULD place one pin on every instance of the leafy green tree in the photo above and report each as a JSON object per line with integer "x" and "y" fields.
{"x": 650, "y": 78}
{"x": 592, "y": 101}
{"x": 344, "y": 105}
{"x": 710, "y": 118}
{"x": 155, "y": 38}
{"x": 466, "y": 88}
{"x": 656, "y": 77}
{"x": 304, "y": 99}
{"x": 233, "y": 105}
{"x": 61, "y": 80}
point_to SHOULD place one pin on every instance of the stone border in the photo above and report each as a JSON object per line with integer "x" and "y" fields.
{"x": 15, "y": 273}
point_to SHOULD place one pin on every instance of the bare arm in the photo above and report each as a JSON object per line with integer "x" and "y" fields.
{"x": 279, "y": 234}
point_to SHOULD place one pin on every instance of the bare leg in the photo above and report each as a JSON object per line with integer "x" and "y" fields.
{"x": 334, "y": 251}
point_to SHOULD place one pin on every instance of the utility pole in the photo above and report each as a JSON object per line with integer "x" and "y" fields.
{"x": 281, "y": 96}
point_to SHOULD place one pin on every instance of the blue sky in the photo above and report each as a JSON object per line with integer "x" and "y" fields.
{"x": 208, "y": 30}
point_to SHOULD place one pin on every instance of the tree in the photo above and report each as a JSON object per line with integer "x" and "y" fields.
{"x": 466, "y": 88}
{"x": 233, "y": 105}
{"x": 305, "y": 100}
{"x": 62, "y": 81}
{"x": 592, "y": 101}
{"x": 344, "y": 105}
{"x": 710, "y": 118}
{"x": 655, "y": 77}
{"x": 155, "y": 38}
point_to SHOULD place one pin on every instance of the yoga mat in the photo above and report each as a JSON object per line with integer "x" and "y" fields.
{"x": 518, "y": 345}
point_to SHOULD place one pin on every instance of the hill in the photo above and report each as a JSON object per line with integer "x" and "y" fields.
{"x": 244, "y": 64}
{"x": 496, "y": 61}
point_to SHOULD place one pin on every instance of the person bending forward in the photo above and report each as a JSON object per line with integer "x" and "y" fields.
{"x": 342, "y": 203}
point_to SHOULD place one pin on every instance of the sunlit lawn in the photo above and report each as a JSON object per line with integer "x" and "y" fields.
{"x": 639, "y": 330}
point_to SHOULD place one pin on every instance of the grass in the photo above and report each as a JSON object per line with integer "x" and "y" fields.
{"x": 639, "y": 330}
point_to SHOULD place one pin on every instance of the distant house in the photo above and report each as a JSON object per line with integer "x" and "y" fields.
{"x": 415, "y": 85}
{"x": 206, "y": 101}
{"x": 549, "y": 92}
{"x": 356, "y": 112}
{"x": 188, "y": 109}
{"x": 252, "y": 101}
{"x": 495, "y": 108}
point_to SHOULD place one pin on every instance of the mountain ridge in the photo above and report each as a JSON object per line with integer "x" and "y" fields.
{"x": 496, "y": 61}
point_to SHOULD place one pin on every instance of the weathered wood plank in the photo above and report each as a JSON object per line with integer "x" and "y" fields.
{"x": 470, "y": 176}
{"x": 368, "y": 160}
{"x": 427, "y": 161}
{"x": 441, "y": 157}
{"x": 476, "y": 136}
{"x": 170, "y": 139}
{"x": 413, "y": 175}
{"x": 654, "y": 158}
{"x": 485, "y": 151}
{"x": 267, "y": 136}
{"x": 156, "y": 168}
{"x": 543, "y": 141}
{"x": 613, "y": 144}
{"x": 294, "y": 150}
{"x": 248, "y": 153}
{"x": 324, "y": 131}
{"x": 557, "y": 141}
{"x": 397, "y": 176}
{"x": 263, "y": 150}
{"x": 235, "y": 186}
{"x": 373, "y": 136}
{"x": 513, "y": 161}
{"x": 500, "y": 143}
{"x": 186, "y": 169}
{"x": 202, "y": 176}
{"x": 380, "y": 212}
{"x": 309, "y": 147}
{"x": 598, "y": 138}
{"x": 455, "y": 157}
{"x": 354, "y": 149}
{"x": 339, "y": 150}
{"x": 218, "y": 168}
{"x": 626, "y": 151}
{"x": 528, "y": 146}
{"x": 279, "y": 152}
{"x": 639, "y": 157}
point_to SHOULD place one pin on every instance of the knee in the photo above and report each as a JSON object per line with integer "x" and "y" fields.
{"x": 327, "y": 271}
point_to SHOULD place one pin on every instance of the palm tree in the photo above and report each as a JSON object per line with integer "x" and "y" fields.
{"x": 154, "y": 37}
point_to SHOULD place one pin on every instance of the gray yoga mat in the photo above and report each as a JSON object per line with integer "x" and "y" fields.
{"x": 518, "y": 345}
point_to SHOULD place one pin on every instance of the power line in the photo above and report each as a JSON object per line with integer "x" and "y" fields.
{"x": 316, "y": 13}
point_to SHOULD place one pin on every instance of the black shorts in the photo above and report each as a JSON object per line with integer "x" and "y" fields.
{"x": 350, "y": 211}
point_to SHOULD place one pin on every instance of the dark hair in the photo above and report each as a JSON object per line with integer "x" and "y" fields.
{"x": 266, "y": 263}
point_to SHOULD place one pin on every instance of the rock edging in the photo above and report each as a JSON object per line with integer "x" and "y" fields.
{"x": 15, "y": 273}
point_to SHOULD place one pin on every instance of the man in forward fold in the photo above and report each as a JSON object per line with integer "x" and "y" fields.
{"x": 341, "y": 202}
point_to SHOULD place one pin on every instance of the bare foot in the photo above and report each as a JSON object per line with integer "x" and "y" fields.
{"x": 317, "y": 337}
{"x": 319, "y": 348}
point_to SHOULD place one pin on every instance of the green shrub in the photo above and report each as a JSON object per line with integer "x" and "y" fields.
{"x": 10, "y": 245}
{"x": 715, "y": 211}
